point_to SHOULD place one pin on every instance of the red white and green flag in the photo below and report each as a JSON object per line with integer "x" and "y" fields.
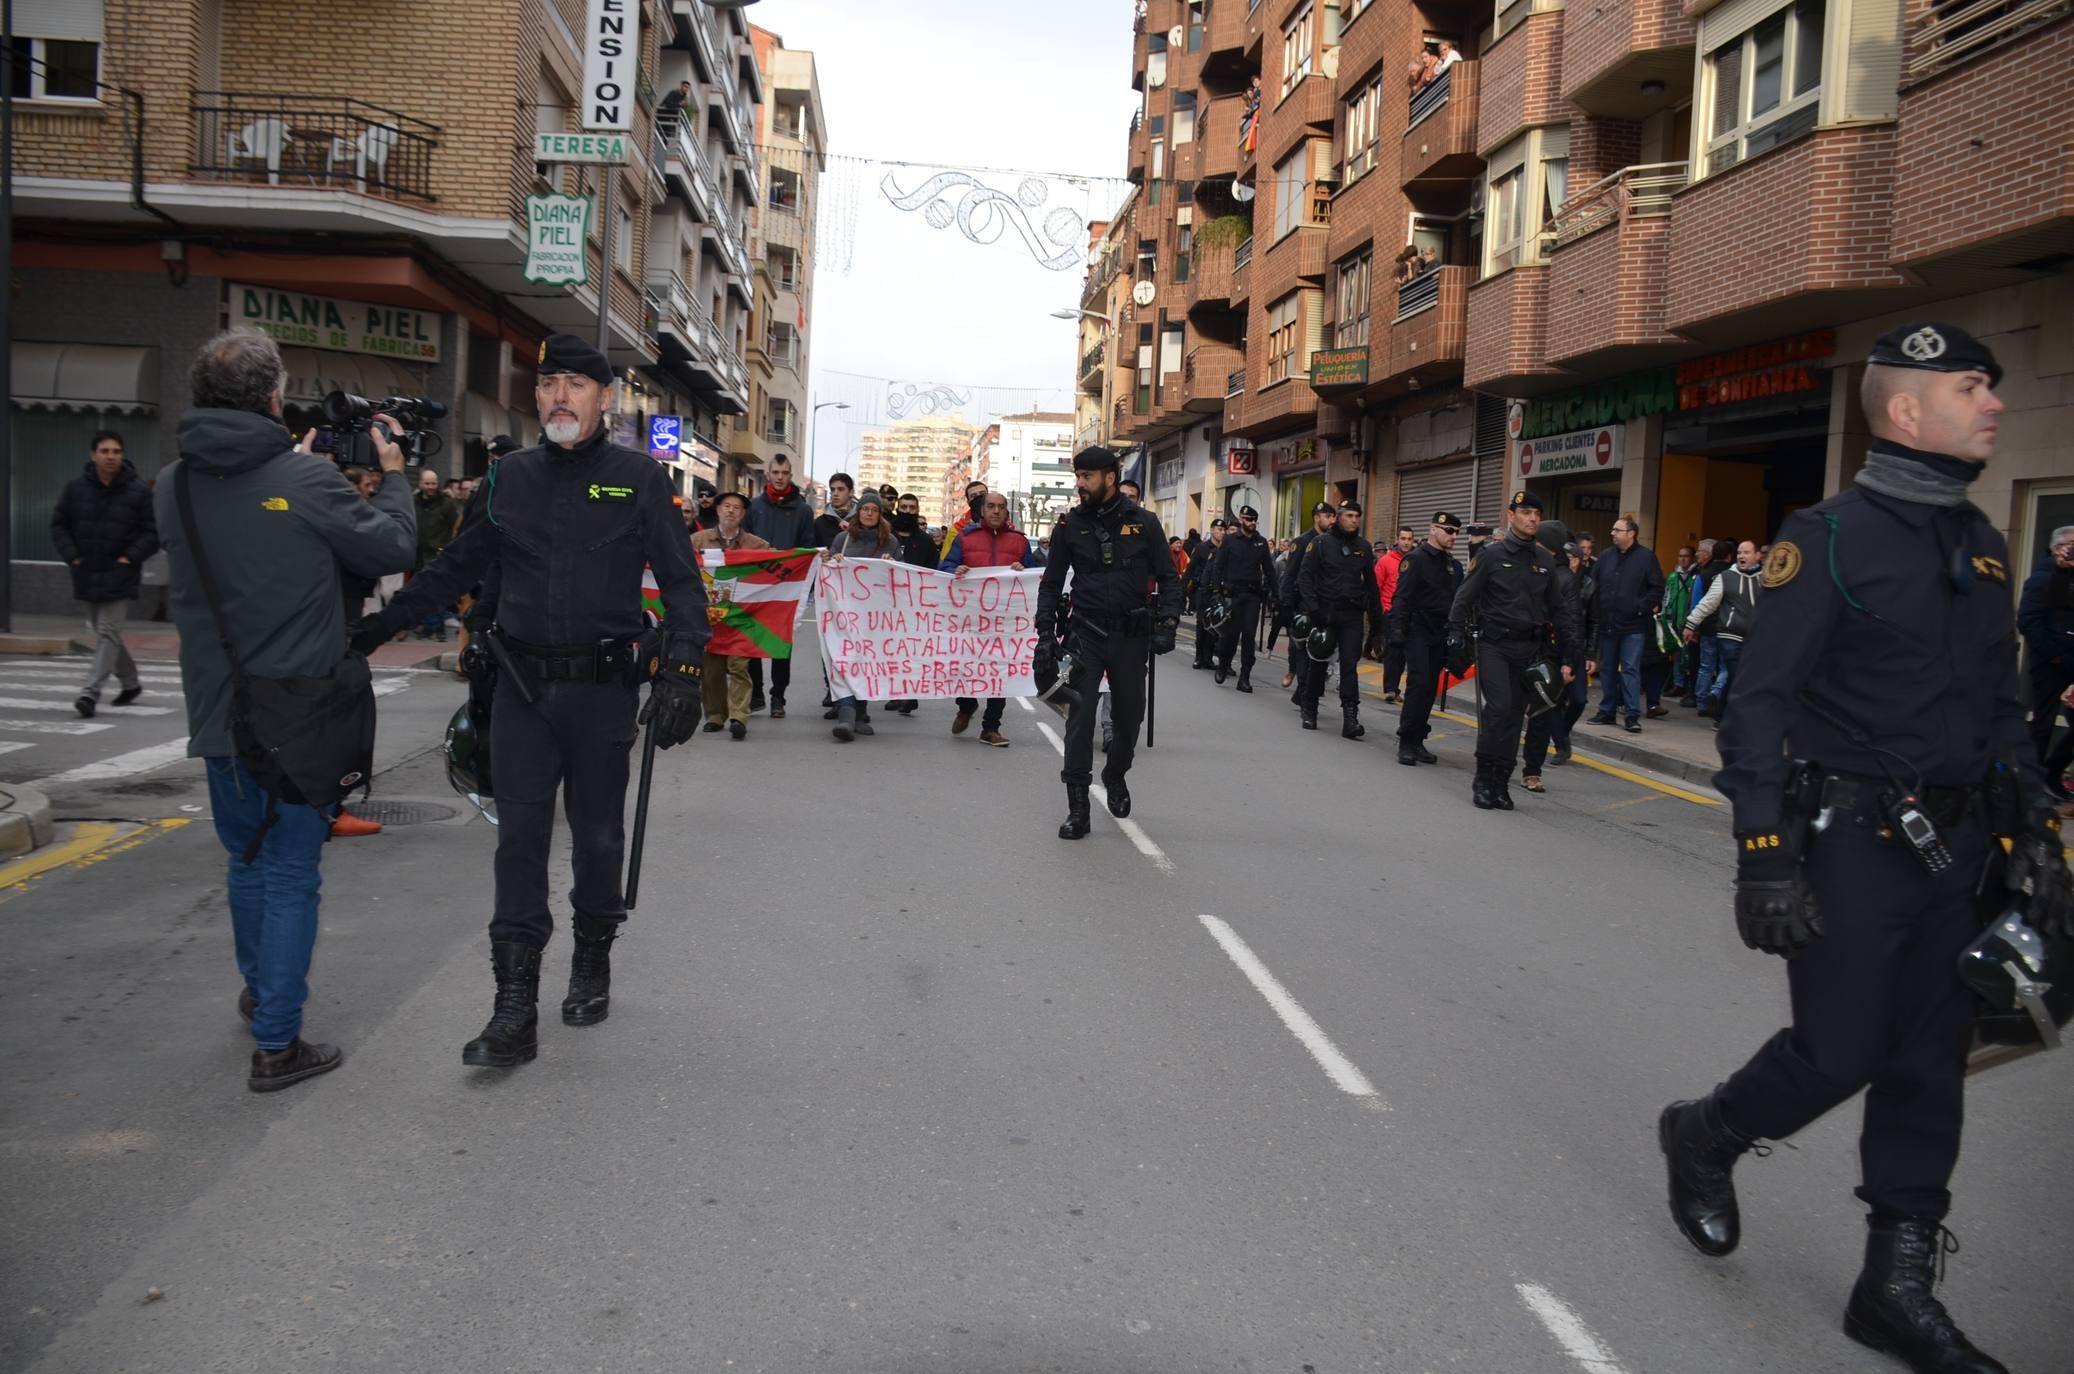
{"x": 752, "y": 598}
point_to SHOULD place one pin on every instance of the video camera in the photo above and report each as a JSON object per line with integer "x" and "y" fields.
{"x": 351, "y": 418}
{"x": 1479, "y": 530}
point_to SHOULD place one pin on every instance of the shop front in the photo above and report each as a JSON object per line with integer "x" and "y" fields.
{"x": 1297, "y": 468}
{"x": 1165, "y": 491}
{"x": 1576, "y": 474}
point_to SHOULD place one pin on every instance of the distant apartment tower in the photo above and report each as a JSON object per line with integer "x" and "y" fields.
{"x": 915, "y": 455}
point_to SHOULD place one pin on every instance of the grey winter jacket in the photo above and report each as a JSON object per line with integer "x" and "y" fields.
{"x": 277, "y": 525}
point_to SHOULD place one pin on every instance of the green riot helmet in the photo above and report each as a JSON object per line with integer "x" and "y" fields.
{"x": 1544, "y": 684}
{"x": 1321, "y": 643}
{"x": 2024, "y": 980}
{"x": 1216, "y": 613}
{"x": 468, "y": 761}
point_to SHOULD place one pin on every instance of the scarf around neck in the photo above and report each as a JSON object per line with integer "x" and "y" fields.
{"x": 1911, "y": 474}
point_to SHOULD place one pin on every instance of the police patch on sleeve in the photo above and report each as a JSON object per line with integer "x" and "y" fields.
{"x": 1782, "y": 564}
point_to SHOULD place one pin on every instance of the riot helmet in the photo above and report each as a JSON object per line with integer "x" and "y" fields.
{"x": 1544, "y": 684}
{"x": 467, "y": 751}
{"x": 1321, "y": 643}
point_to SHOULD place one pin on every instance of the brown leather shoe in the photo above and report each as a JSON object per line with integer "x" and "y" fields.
{"x": 273, "y": 1070}
{"x": 964, "y": 718}
{"x": 993, "y": 737}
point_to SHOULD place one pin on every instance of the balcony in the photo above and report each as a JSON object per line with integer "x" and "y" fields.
{"x": 1217, "y": 138}
{"x": 1205, "y": 377}
{"x": 1609, "y": 51}
{"x": 1607, "y": 262}
{"x": 1506, "y": 347}
{"x": 1309, "y": 241}
{"x": 300, "y": 141}
{"x": 690, "y": 32}
{"x": 1170, "y": 409}
{"x": 1235, "y": 383}
{"x": 670, "y": 300}
{"x": 1242, "y": 274}
{"x": 1520, "y": 84}
{"x": 1209, "y": 280}
{"x": 1224, "y": 33}
{"x": 1275, "y": 405}
{"x": 1090, "y": 371}
{"x": 1792, "y": 238}
{"x": 683, "y": 165}
{"x": 1298, "y": 116}
{"x": 1139, "y": 148}
{"x": 1429, "y": 332}
{"x": 1440, "y": 142}
{"x": 745, "y": 170}
{"x": 1965, "y": 218}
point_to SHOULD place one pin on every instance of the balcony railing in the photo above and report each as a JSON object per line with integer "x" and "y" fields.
{"x": 1235, "y": 384}
{"x": 1431, "y": 97}
{"x": 313, "y": 140}
{"x": 1090, "y": 360}
{"x": 671, "y": 300}
{"x": 1953, "y": 31}
{"x": 1242, "y": 254}
{"x": 1630, "y": 193}
{"x": 1420, "y": 293}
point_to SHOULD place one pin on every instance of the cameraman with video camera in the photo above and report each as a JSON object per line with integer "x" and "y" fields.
{"x": 255, "y": 562}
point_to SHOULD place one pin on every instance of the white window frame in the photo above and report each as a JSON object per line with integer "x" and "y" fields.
{"x": 1299, "y": 44}
{"x": 1183, "y": 129}
{"x": 1364, "y": 130}
{"x": 1292, "y": 191}
{"x": 1527, "y": 157}
{"x": 1283, "y": 320}
{"x": 1353, "y": 285}
{"x": 1736, "y": 138}
{"x": 38, "y": 73}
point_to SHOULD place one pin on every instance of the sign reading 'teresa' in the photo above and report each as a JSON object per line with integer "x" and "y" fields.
{"x": 1563, "y": 455}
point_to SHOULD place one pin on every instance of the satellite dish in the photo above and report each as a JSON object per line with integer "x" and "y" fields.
{"x": 1143, "y": 292}
{"x": 1241, "y": 192}
{"x": 1177, "y": 36}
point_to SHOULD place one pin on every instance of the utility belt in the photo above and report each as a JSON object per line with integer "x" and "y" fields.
{"x": 1869, "y": 800}
{"x": 1137, "y": 623}
{"x": 1497, "y": 634}
{"x": 606, "y": 659}
{"x": 1246, "y": 588}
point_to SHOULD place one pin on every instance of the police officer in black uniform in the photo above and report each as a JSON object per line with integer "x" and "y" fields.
{"x": 1876, "y": 748}
{"x": 1126, "y": 605}
{"x": 1427, "y": 581}
{"x": 1197, "y": 587}
{"x": 1246, "y": 574}
{"x": 569, "y": 526}
{"x": 1516, "y": 602}
{"x": 1301, "y": 667}
{"x": 1336, "y": 587}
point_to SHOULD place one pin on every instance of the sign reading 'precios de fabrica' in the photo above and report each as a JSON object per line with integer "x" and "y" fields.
{"x": 291, "y": 317}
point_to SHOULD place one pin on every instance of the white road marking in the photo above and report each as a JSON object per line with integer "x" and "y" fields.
{"x": 57, "y": 727}
{"x": 1024, "y": 702}
{"x": 30, "y": 684}
{"x": 25, "y": 704}
{"x": 9, "y": 746}
{"x": 123, "y": 765}
{"x": 78, "y": 668}
{"x": 390, "y": 686}
{"x": 1131, "y": 829}
{"x": 1569, "y": 1330}
{"x": 1340, "y": 1069}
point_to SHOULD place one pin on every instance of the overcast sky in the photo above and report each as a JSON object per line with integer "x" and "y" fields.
{"x": 1029, "y": 87}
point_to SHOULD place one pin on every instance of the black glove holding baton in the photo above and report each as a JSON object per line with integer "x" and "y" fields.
{"x": 675, "y": 692}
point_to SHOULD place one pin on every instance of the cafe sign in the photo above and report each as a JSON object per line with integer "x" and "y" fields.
{"x": 1579, "y": 452}
{"x": 1339, "y": 369}
{"x": 292, "y": 317}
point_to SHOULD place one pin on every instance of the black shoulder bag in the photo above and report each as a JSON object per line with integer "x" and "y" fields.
{"x": 307, "y": 741}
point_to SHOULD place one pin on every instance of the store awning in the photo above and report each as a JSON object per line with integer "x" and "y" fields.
{"x": 313, "y": 373}
{"x": 486, "y": 419}
{"x": 71, "y": 376}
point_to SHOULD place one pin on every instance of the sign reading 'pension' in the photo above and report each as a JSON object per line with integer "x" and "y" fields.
{"x": 291, "y": 317}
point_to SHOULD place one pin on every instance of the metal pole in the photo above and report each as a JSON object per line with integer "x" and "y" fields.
{"x": 6, "y": 316}
{"x": 606, "y": 231}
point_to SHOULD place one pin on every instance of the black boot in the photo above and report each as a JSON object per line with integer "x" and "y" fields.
{"x": 1310, "y": 715}
{"x": 1077, "y": 822}
{"x": 1701, "y": 1149}
{"x": 1892, "y": 1306}
{"x": 1222, "y": 672}
{"x": 512, "y": 1036}
{"x": 1119, "y": 796}
{"x": 1245, "y": 679}
{"x": 1501, "y": 791}
{"x": 1480, "y": 787}
{"x": 590, "y": 974}
{"x": 1408, "y": 753}
{"x": 1350, "y": 723}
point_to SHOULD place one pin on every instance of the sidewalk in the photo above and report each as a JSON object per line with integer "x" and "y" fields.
{"x": 1680, "y": 746}
{"x": 157, "y": 639}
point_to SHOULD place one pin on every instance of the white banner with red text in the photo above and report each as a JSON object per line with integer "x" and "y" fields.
{"x": 893, "y": 631}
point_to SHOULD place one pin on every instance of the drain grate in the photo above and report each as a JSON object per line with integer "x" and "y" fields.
{"x": 403, "y": 812}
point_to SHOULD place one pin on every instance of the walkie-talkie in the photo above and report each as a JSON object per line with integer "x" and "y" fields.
{"x": 1905, "y": 813}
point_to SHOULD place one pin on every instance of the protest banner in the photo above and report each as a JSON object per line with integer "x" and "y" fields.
{"x": 891, "y": 631}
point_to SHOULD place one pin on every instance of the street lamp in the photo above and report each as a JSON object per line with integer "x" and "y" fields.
{"x": 815, "y": 420}
{"x": 1081, "y": 314}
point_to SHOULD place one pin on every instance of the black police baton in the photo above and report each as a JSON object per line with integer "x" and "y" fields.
{"x": 641, "y": 810}
{"x": 1151, "y": 694}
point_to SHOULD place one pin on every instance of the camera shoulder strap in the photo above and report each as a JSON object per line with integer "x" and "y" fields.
{"x": 184, "y": 495}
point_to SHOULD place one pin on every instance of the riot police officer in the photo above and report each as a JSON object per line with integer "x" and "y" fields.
{"x": 1515, "y": 601}
{"x": 1427, "y": 581}
{"x": 1337, "y": 591}
{"x": 1199, "y": 589}
{"x": 1875, "y": 750}
{"x": 1126, "y": 606}
{"x": 568, "y": 525}
{"x": 1245, "y": 573}
{"x": 1300, "y": 665}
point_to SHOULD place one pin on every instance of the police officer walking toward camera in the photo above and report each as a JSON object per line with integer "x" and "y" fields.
{"x": 1246, "y": 574}
{"x": 569, "y": 526}
{"x": 1427, "y": 581}
{"x": 1300, "y": 665}
{"x": 1126, "y": 605}
{"x": 1514, "y": 600}
{"x": 1199, "y": 589}
{"x": 1876, "y": 749}
{"x": 1338, "y": 595}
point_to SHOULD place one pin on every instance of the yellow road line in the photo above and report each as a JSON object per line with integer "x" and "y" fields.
{"x": 90, "y": 843}
{"x": 1614, "y": 770}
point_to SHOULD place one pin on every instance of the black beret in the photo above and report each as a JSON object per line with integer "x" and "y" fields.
{"x": 1353, "y": 506}
{"x": 1524, "y": 500}
{"x": 1932, "y": 347}
{"x": 1218, "y": 523}
{"x": 1096, "y": 458}
{"x": 504, "y": 444}
{"x": 567, "y": 353}
{"x": 1248, "y": 513}
{"x": 1323, "y": 508}
{"x": 1447, "y": 521}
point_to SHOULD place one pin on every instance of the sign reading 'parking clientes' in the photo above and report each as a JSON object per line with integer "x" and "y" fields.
{"x": 1563, "y": 455}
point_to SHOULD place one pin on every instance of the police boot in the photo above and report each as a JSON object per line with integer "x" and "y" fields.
{"x": 1480, "y": 787}
{"x": 1310, "y": 715}
{"x": 1501, "y": 790}
{"x": 1119, "y": 796}
{"x": 1350, "y": 723}
{"x": 590, "y": 974}
{"x": 1245, "y": 679}
{"x": 1077, "y": 822}
{"x": 512, "y": 1036}
{"x": 1407, "y": 753}
{"x": 1701, "y": 1149}
{"x": 1892, "y": 1308}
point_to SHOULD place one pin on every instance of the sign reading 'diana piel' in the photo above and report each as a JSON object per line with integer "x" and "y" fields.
{"x": 294, "y": 317}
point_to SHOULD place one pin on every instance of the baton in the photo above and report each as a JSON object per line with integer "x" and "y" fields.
{"x": 1151, "y": 694}
{"x": 641, "y": 811}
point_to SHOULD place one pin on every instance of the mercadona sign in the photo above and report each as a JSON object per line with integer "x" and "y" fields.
{"x": 1564, "y": 455}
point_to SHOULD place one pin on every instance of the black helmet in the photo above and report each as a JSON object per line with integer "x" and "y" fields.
{"x": 2023, "y": 978}
{"x": 468, "y": 760}
{"x": 1216, "y": 612}
{"x": 1054, "y": 681}
{"x": 1544, "y": 684}
{"x": 1321, "y": 643}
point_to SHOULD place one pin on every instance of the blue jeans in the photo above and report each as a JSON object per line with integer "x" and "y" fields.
{"x": 273, "y": 899}
{"x": 1727, "y": 656}
{"x": 1711, "y": 680}
{"x": 1620, "y": 667}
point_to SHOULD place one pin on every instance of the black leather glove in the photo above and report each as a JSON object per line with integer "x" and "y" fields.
{"x": 1775, "y": 912}
{"x": 675, "y": 694}
{"x": 371, "y": 632}
{"x": 1163, "y": 634}
{"x": 2038, "y": 866}
{"x": 1044, "y": 660}
{"x": 1458, "y": 655}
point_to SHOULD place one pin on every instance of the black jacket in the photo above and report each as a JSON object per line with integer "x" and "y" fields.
{"x": 1292, "y": 576}
{"x": 1137, "y": 574}
{"x": 1512, "y": 592}
{"x": 786, "y": 521}
{"x": 93, "y": 525}
{"x": 918, "y": 547}
{"x": 1631, "y": 589}
{"x": 2046, "y": 617}
{"x": 1427, "y": 581}
{"x": 1244, "y": 563}
{"x": 1338, "y": 579}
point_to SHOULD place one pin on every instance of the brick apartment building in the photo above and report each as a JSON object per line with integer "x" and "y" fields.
{"x": 914, "y": 455}
{"x": 171, "y": 179}
{"x": 1659, "y": 233}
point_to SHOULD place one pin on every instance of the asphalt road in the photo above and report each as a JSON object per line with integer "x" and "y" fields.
{"x": 1319, "y": 1069}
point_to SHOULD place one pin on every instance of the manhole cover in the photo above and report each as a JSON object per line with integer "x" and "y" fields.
{"x": 402, "y": 812}
{"x": 146, "y": 789}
